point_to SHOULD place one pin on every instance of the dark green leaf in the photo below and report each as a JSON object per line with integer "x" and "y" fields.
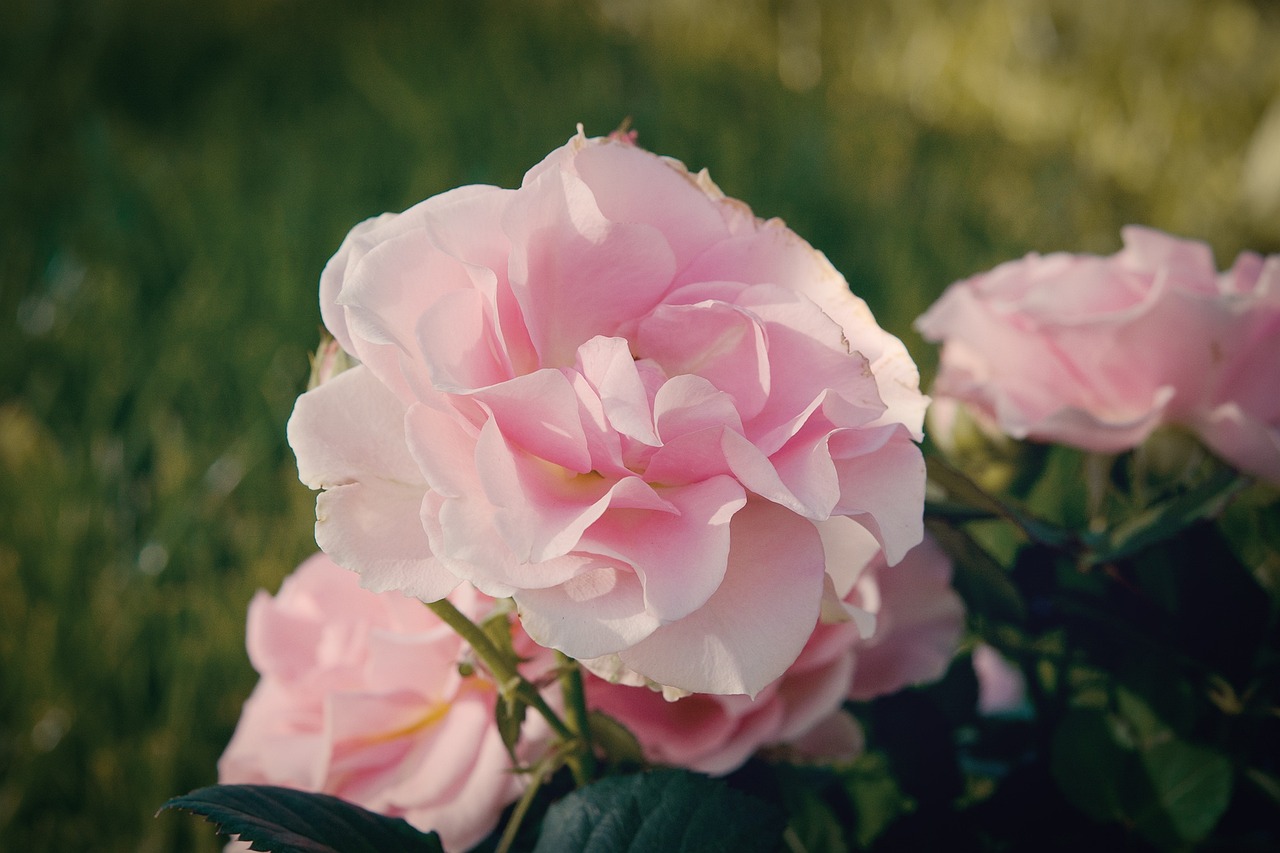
{"x": 667, "y": 810}
{"x": 1088, "y": 764}
{"x": 1190, "y": 789}
{"x": 509, "y": 712}
{"x": 1166, "y": 519}
{"x": 619, "y": 744}
{"x": 1127, "y": 767}
{"x": 876, "y": 796}
{"x": 282, "y": 820}
{"x": 813, "y": 825}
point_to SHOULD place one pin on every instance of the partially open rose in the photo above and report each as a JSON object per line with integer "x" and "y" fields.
{"x": 361, "y": 698}
{"x": 618, "y": 397}
{"x": 1097, "y": 352}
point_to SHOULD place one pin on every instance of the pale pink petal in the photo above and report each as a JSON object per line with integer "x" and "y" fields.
{"x": 447, "y": 740}
{"x": 275, "y": 636}
{"x": 610, "y": 368}
{"x": 716, "y": 341}
{"x": 457, "y": 344}
{"x": 541, "y": 509}
{"x": 563, "y": 247}
{"x": 268, "y": 748}
{"x": 849, "y": 549}
{"x": 539, "y": 413}
{"x": 632, "y": 185}
{"x": 466, "y": 818}
{"x": 810, "y": 699}
{"x": 1150, "y": 250}
{"x": 1243, "y": 441}
{"x": 374, "y": 529}
{"x": 881, "y": 476}
{"x": 350, "y": 428}
{"x": 681, "y": 732}
{"x": 598, "y": 612}
{"x": 371, "y": 738}
{"x": 836, "y": 738}
{"x": 679, "y": 557}
{"x": 920, "y": 619}
{"x": 757, "y": 622}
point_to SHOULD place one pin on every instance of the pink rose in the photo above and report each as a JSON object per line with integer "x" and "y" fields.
{"x": 618, "y": 397}
{"x": 1097, "y": 352}
{"x": 918, "y": 621}
{"x": 361, "y": 697}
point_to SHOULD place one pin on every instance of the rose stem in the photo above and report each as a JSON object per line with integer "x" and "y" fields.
{"x": 503, "y": 670}
{"x": 575, "y": 704}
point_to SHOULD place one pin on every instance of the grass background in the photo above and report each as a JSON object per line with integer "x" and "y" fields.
{"x": 174, "y": 175}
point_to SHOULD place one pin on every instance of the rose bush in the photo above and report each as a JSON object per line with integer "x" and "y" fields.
{"x": 918, "y": 622}
{"x": 360, "y": 697}
{"x": 1096, "y": 352}
{"x": 618, "y": 397}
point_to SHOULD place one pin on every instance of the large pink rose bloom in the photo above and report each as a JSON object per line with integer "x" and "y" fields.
{"x": 618, "y": 397}
{"x": 360, "y": 697}
{"x": 1096, "y": 352}
{"x": 918, "y": 623}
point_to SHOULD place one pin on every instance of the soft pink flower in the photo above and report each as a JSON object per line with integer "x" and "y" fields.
{"x": 918, "y": 622}
{"x": 1096, "y": 352}
{"x": 360, "y": 697}
{"x": 618, "y": 397}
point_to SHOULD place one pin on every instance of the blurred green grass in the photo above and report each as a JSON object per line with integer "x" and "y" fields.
{"x": 173, "y": 177}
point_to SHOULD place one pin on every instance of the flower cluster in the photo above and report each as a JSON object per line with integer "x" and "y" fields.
{"x": 1098, "y": 352}
{"x": 361, "y": 696}
{"x": 613, "y": 414}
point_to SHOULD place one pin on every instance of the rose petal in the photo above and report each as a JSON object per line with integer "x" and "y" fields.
{"x": 757, "y": 622}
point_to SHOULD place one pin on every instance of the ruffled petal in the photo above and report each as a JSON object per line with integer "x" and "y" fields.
{"x": 755, "y": 625}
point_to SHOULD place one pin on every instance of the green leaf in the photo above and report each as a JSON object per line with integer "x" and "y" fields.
{"x": 1127, "y": 767}
{"x": 1166, "y": 519}
{"x": 282, "y": 820}
{"x": 669, "y": 810}
{"x": 1089, "y": 765}
{"x": 1190, "y": 789}
{"x": 813, "y": 826}
{"x": 619, "y": 744}
{"x": 509, "y": 713}
{"x": 876, "y": 795}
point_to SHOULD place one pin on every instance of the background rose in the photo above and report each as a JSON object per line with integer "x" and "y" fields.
{"x": 360, "y": 697}
{"x": 1089, "y": 351}
{"x": 918, "y": 622}
{"x": 1239, "y": 418}
{"x": 618, "y": 397}
{"x": 1097, "y": 352}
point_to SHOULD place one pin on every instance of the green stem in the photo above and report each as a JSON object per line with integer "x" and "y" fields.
{"x": 583, "y": 763}
{"x": 540, "y": 774}
{"x": 503, "y": 670}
